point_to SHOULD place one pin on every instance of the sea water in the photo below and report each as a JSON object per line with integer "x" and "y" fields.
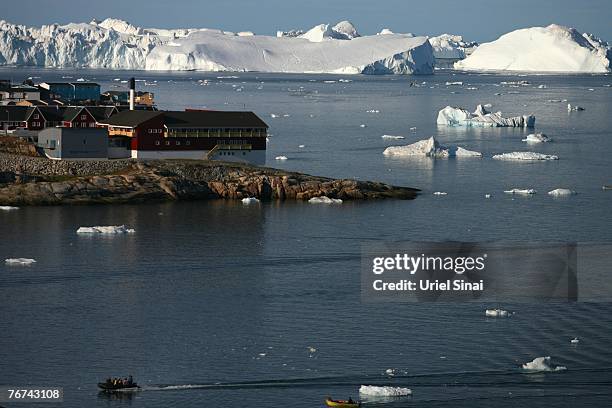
{"x": 222, "y": 304}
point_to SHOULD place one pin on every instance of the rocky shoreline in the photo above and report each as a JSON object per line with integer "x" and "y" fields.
{"x": 28, "y": 180}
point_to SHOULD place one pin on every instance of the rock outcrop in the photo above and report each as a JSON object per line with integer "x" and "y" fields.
{"x": 38, "y": 181}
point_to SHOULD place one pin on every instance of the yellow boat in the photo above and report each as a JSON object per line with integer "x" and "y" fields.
{"x": 341, "y": 403}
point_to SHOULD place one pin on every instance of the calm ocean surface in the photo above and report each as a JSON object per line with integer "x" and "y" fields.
{"x": 218, "y": 304}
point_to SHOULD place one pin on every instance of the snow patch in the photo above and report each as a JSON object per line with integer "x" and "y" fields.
{"x": 521, "y": 191}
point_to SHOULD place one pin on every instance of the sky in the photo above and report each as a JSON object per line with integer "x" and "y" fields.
{"x": 476, "y": 20}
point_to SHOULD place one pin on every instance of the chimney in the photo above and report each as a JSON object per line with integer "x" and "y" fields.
{"x": 132, "y": 92}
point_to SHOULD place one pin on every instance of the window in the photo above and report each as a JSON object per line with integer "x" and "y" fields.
{"x": 188, "y": 143}
{"x": 178, "y": 143}
{"x": 167, "y": 143}
{"x": 36, "y": 116}
{"x": 157, "y": 143}
{"x": 83, "y": 117}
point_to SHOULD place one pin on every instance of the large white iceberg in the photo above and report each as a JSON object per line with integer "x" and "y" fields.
{"x": 558, "y": 192}
{"x": 117, "y": 44}
{"x": 452, "y": 116}
{"x": 383, "y": 391}
{"x": 542, "y": 364}
{"x": 430, "y": 148}
{"x": 525, "y": 156}
{"x": 541, "y": 49}
{"x": 448, "y": 46}
{"x": 109, "y": 229}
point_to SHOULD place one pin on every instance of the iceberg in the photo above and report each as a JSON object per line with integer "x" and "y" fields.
{"x": 575, "y": 340}
{"x": 537, "y": 138}
{"x": 452, "y": 116}
{"x": 392, "y": 137}
{"x": 116, "y": 44}
{"x": 561, "y": 192}
{"x": 448, "y": 46}
{"x": 497, "y": 313}
{"x": 554, "y": 49}
{"x": 574, "y": 108}
{"x": 542, "y": 364}
{"x": 429, "y": 148}
{"x": 249, "y": 200}
{"x": 19, "y": 261}
{"x": 324, "y": 200}
{"x": 8, "y": 208}
{"x": 525, "y": 156}
{"x": 521, "y": 191}
{"x": 383, "y": 391}
{"x": 107, "y": 230}
{"x": 281, "y": 158}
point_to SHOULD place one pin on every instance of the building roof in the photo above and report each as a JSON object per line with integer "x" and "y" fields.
{"x": 189, "y": 119}
{"x": 212, "y": 119}
{"x": 101, "y": 112}
{"x": 130, "y": 118}
{"x": 52, "y": 113}
{"x": 70, "y": 83}
{"x": 15, "y": 113}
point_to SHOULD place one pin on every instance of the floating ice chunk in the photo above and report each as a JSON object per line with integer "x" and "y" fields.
{"x": 537, "y": 138}
{"x": 301, "y": 146}
{"x": 575, "y": 340}
{"x": 110, "y": 229}
{"x": 487, "y": 195}
{"x": 390, "y": 371}
{"x": 392, "y": 137}
{"x": 274, "y": 115}
{"x": 311, "y": 349}
{"x": 363, "y": 125}
{"x": 373, "y": 111}
{"x": 324, "y": 200}
{"x": 497, "y": 313}
{"x": 452, "y": 116}
{"x": 454, "y": 83}
{"x": 280, "y": 158}
{"x": 574, "y": 108}
{"x": 561, "y": 192}
{"x": 522, "y": 191}
{"x": 542, "y": 86}
{"x": 19, "y": 261}
{"x": 413, "y": 129}
{"x": 249, "y": 200}
{"x": 440, "y": 193}
{"x": 8, "y": 208}
{"x": 525, "y": 156}
{"x": 542, "y": 364}
{"x": 383, "y": 391}
{"x": 429, "y": 148}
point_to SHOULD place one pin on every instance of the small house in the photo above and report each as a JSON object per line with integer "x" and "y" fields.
{"x": 74, "y": 143}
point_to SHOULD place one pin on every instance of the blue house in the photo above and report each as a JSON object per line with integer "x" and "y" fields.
{"x": 72, "y": 91}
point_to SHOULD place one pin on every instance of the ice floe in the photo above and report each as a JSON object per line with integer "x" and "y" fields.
{"x": 8, "y": 208}
{"x": 561, "y": 192}
{"x": 390, "y": 371}
{"x": 521, "y": 191}
{"x": 540, "y": 49}
{"x": 497, "y": 313}
{"x": 440, "y": 193}
{"x": 575, "y": 340}
{"x": 453, "y": 116}
{"x": 108, "y": 230}
{"x": 383, "y": 391}
{"x": 324, "y": 200}
{"x": 429, "y": 148}
{"x": 574, "y": 108}
{"x": 249, "y": 200}
{"x": 392, "y": 137}
{"x": 19, "y": 261}
{"x": 525, "y": 156}
{"x": 537, "y": 138}
{"x": 280, "y": 158}
{"x": 542, "y": 364}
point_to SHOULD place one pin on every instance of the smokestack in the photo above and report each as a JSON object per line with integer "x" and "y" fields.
{"x": 132, "y": 92}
